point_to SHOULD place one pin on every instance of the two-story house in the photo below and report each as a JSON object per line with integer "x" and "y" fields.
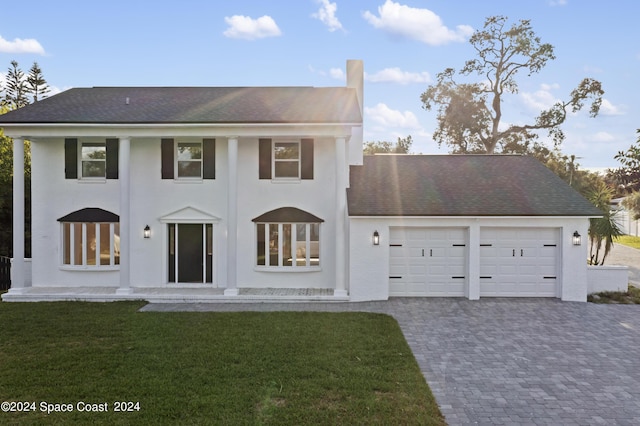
{"x": 234, "y": 193}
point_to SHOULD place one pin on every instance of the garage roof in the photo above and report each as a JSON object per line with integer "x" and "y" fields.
{"x": 461, "y": 185}
{"x": 203, "y": 105}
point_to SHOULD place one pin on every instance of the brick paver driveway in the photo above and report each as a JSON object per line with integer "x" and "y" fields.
{"x": 513, "y": 361}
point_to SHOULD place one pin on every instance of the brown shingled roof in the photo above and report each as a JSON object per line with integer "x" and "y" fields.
{"x": 461, "y": 185}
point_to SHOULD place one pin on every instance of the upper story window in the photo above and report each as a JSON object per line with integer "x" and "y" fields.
{"x": 188, "y": 159}
{"x": 285, "y": 159}
{"x": 90, "y": 239}
{"x": 91, "y": 160}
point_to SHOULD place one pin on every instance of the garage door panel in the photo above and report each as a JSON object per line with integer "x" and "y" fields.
{"x": 429, "y": 263}
{"x": 519, "y": 261}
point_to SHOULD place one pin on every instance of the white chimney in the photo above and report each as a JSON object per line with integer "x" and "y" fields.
{"x": 355, "y": 80}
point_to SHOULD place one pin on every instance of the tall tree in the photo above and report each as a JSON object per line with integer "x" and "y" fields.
{"x": 16, "y": 88}
{"x": 627, "y": 177}
{"x": 36, "y": 84}
{"x": 402, "y": 146}
{"x": 469, "y": 114}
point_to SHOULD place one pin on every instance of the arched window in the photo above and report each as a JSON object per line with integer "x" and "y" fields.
{"x": 288, "y": 238}
{"x": 90, "y": 239}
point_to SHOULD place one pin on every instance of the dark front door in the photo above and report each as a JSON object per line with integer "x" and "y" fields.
{"x": 190, "y": 258}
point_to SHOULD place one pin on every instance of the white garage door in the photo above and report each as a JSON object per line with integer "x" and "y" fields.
{"x": 519, "y": 262}
{"x": 427, "y": 262}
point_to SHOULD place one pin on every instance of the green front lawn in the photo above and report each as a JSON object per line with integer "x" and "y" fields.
{"x": 207, "y": 368}
{"x": 628, "y": 240}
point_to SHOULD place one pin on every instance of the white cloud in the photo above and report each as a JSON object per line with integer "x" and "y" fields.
{"x": 603, "y": 137}
{"x": 327, "y": 15}
{"x": 19, "y": 45}
{"x": 607, "y": 108}
{"x": 337, "y": 73}
{"x": 558, "y": 2}
{"x": 541, "y": 99}
{"x": 247, "y": 28}
{"x": 416, "y": 24}
{"x": 382, "y": 115}
{"x": 396, "y": 75}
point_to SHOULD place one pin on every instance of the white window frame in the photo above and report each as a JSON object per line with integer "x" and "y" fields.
{"x": 274, "y": 160}
{"x": 81, "y": 161}
{"x": 85, "y": 264}
{"x": 308, "y": 247}
{"x": 177, "y": 160}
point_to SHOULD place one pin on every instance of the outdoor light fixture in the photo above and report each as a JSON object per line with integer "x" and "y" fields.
{"x": 577, "y": 239}
{"x": 147, "y": 232}
{"x": 376, "y": 238}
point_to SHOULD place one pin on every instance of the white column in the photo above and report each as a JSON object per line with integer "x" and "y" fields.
{"x": 124, "y": 154}
{"x": 17, "y": 268}
{"x": 232, "y": 218}
{"x": 341, "y": 212}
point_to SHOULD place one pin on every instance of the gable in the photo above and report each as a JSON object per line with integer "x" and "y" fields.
{"x": 189, "y": 215}
{"x": 461, "y": 185}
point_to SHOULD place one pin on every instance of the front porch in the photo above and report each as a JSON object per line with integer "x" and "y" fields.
{"x": 173, "y": 295}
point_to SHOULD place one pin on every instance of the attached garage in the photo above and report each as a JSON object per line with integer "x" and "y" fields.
{"x": 475, "y": 226}
{"x": 427, "y": 261}
{"x": 519, "y": 262}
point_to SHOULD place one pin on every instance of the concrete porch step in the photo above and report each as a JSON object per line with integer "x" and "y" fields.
{"x": 172, "y": 295}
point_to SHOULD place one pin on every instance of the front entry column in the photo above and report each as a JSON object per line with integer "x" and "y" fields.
{"x": 124, "y": 154}
{"x": 232, "y": 218}
{"x": 341, "y": 220}
{"x": 18, "y": 266}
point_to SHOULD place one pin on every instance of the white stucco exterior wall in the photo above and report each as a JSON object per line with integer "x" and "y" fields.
{"x": 369, "y": 264}
{"x": 153, "y": 198}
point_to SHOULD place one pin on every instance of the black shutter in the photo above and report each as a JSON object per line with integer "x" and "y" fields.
{"x": 71, "y": 158}
{"x": 306, "y": 166}
{"x": 167, "y": 159}
{"x": 209, "y": 158}
{"x": 264, "y": 152}
{"x": 112, "y": 158}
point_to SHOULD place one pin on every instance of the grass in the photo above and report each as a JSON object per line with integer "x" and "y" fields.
{"x": 631, "y": 296}
{"x": 209, "y": 368}
{"x": 629, "y": 240}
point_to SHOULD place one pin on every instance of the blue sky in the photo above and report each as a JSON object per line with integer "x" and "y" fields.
{"x": 404, "y": 44}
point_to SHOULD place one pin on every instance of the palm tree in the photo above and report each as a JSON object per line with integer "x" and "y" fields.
{"x": 603, "y": 229}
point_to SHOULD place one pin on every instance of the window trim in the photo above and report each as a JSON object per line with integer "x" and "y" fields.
{"x": 81, "y": 161}
{"x": 294, "y": 267}
{"x": 275, "y": 161}
{"x": 177, "y": 161}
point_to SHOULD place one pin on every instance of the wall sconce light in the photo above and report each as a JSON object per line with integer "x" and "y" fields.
{"x": 577, "y": 239}
{"x": 147, "y": 232}
{"x": 376, "y": 238}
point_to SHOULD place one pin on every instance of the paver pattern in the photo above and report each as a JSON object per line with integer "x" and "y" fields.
{"x": 510, "y": 361}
